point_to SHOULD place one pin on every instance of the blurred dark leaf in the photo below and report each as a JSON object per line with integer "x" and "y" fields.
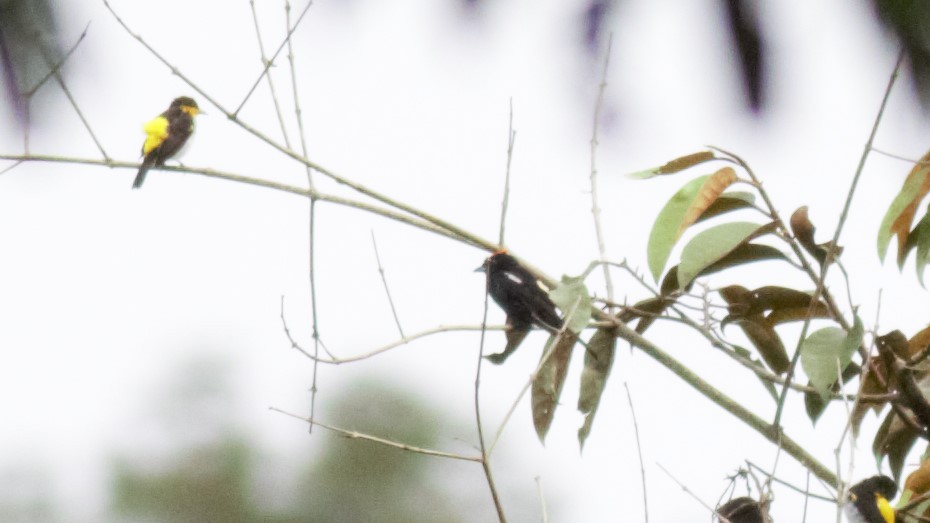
{"x": 28, "y": 40}
{"x": 547, "y": 386}
{"x": 598, "y": 359}
{"x": 909, "y": 20}
{"x": 746, "y": 32}
{"x": 893, "y": 440}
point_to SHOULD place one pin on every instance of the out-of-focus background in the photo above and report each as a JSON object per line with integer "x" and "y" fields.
{"x": 141, "y": 342}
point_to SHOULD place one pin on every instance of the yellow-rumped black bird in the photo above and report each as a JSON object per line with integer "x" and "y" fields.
{"x": 166, "y": 134}
{"x": 869, "y": 501}
{"x": 521, "y": 296}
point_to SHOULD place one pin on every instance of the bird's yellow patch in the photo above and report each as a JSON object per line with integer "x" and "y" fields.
{"x": 885, "y": 508}
{"x": 190, "y": 109}
{"x": 156, "y": 131}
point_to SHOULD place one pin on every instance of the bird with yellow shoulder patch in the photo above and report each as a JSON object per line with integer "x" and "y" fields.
{"x": 166, "y": 134}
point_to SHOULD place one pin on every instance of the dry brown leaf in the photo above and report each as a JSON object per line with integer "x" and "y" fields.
{"x": 901, "y": 227}
{"x": 684, "y": 162}
{"x": 710, "y": 191}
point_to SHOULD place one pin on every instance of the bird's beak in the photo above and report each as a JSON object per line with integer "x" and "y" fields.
{"x": 480, "y": 269}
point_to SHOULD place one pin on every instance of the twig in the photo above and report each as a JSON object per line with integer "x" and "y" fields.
{"x": 512, "y": 137}
{"x": 389, "y": 443}
{"x": 595, "y": 208}
{"x": 267, "y": 64}
{"x": 213, "y": 173}
{"x": 805, "y": 491}
{"x": 265, "y": 69}
{"x": 74, "y": 104}
{"x": 404, "y": 341}
{"x": 899, "y": 157}
{"x": 311, "y": 244}
{"x": 639, "y": 447}
{"x": 542, "y": 499}
{"x": 298, "y": 114}
{"x": 387, "y": 290}
{"x": 294, "y": 344}
{"x": 770, "y": 432}
{"x": 57, "y": 67}
{"x": 688, "y": 492}
{"x": 485, "y": 452}
{"x": 824, "y": 267}
{"x": 11, "y": 167}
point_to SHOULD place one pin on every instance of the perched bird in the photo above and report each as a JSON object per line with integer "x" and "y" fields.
{"x": 518, "y": 292}
{"x": 521, "y": 296}
{"x": 744, "y": 510}
{"x": 166, "y": 134}
{"x": 869, "y": 501}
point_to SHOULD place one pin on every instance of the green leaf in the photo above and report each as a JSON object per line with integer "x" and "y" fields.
{"x": 710, "y": 246}
{"x": 913, "y": 190}
{"x": 571, "y": 296}
{"x": 645, "y": 174}
{"x": 680, "y": 212}
{"x": 598, "y": 359}
{"x": 821, "y": 351}
{"x": 922, "y": 231}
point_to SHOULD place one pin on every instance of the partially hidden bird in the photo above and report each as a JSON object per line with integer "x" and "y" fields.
{"x": 166, "y": 134}
{"x": 869, "y": 501}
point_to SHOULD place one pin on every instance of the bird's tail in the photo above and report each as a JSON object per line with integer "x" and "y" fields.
{"x": 143, "y": 169}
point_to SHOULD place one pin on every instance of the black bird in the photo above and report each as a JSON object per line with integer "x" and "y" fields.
{"x": 744, "y": 510}
{"x": 519, "y": 293}
{"x": 869, "y": 501}
{"x": 166, "y": 134}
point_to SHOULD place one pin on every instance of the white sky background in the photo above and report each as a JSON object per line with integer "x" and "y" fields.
{"x": 105, "y": 290}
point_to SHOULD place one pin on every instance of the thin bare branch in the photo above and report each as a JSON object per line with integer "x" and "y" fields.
{"x": 294, "y": 344}
{"x": 404, "y": 341}
{"x": 687, "y": 491}
{"x": 512, "y": 137}
{"x": 595, "y": 207}
{"x": 387, "y": 290}
{"x": 57, "y": 67}
{"x": 12, "y": 166}
{"x": 311, "y": 255}
{"x": 267, "y": 64}
{"x": 485, "y": 451}
{"x": 542, "y": 499}
{"x": 64, "y": 89}
{"x": 825, "y": 266}
{"x": 213, "y": 173}
{"x": 386, "y": 442}
{"x": 639, "y": 448}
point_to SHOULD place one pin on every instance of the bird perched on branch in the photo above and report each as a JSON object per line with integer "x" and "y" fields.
{"x": 521, "y": 296}
{"x": 869, "y": 501}
{"x": 166, "y": 134}
{"x": 519, "y": 293}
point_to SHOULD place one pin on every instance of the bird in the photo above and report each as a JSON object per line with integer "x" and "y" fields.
{"x": 868, "y": 501}
{"x": 519, "y": 293}
{"x": 166, "y": 134}
{"x": 744, "y": 510}
{"x": 521, "y": 296}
